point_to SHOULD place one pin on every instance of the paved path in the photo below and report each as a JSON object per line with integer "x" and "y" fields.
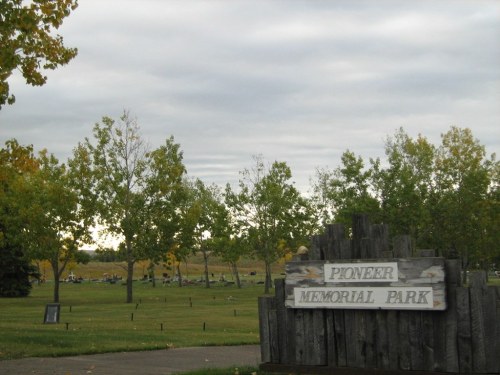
{"x": 157, "y": 362}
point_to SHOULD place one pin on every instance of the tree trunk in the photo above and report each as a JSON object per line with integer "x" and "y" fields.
{"x": 179, "y": 276}
{"x": 236, "y": 274}
{"x": 130, "y": 271}
{"x": 57, "y": 275}
{"x": 205, "y": 261}
{"x": 151, "y": 273}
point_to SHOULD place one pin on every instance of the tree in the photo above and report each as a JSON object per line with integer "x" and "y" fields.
{"x": 345, "y": 191}
{"x": 268, "y": 211}
{"x": 28, "y": 43}
{"x": 405, "y": 185}
{"x": 17, "y": 163}
{"x": 211, "y": 221}
{"x": 56, "y": 223}
{"x": 130, "y": 184}
{"x": 463, "y": 179}
{"x": 166, "y": 191}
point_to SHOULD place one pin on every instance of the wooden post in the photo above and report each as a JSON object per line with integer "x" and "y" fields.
{"x": 464, "y": 334}
{"x": 281, "y": 314}
{"x": 477, "y": 284}
{"x": 335, "y": 235}
{"x": 402, "y": 246}
{"x": 265, "y": 304}
{"x": 360, "y": 231}
{"x": 453, "y": 281}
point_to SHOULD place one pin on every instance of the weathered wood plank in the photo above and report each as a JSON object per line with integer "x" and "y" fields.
{"x": 491, "y": 327}
{"x": 415, "y": 333}
{"x": 340, "y": 337}
{"x": 319, "y": 335}
{"x": 430, "y": 322}
{"x": 404, "y": 349}
{"x": 310, "y": 354}
{"x": 382, "y": 340}
{"x": 265, "y": 303}
{"x": 464, "y": 334}
{"x": 451, "y": 329}
{"x": 331, "y": 342}
{"x": 346, "y": 249}
{"x": 366, "y": 249}
{"x": 402, "y": 246}
{"x": 291, "y": 336}
{"x": 360, "y": 231}
{"x": 360, "y": 339}
{"x": 497, "y": 336}
{"x": 274, "y": 336}
{"x": 370, "y": 339}
{"x": 477, "y": 283}
{"x": 351, "y": 335}
{"x": 453, "y": 280}
{"x": 393, "y": 337}
{"x": 335, "y": 234}
{"x": 440, "y": 335}
{"x": 300, "y": 338}
{"x": 279, "y": 292}
{"x": 380, "y": 240}
{"x": 315, "y": 249}
{"x": 314, "y": 350}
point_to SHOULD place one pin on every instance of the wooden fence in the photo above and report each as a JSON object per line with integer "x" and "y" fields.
{"x": 465, "y": 338}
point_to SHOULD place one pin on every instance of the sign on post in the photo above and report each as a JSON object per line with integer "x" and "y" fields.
{"x": 402, "y": 284}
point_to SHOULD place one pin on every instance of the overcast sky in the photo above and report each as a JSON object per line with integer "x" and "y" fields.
{"x": 295, "y": 81}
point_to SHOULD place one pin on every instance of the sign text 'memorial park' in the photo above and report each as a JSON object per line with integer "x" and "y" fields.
{"x": 402, "y": 284}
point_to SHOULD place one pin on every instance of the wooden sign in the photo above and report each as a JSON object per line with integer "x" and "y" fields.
{"x": 400, "y": 284}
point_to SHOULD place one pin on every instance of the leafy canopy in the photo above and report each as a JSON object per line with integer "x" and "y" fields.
{"x": 28, "y": 42}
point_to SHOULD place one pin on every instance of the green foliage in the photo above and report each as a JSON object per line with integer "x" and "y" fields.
{"x": 28, "y": 41}
{"x": 405, "y": 185}
{"x": 445, "y": 197}
{"x": 136, "y": 192}
{"x": 345, "y": 191}
{"x": 464, "y": 201}
{"x": 56, "y": 226}
{"x": 210, "y": 219}
{"x": 17, "y": 165}
{"x": 15, "y": 272}
{"x": 268, "y": 211}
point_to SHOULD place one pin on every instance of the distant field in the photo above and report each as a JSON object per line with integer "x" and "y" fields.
{"x": 95, "y": 319}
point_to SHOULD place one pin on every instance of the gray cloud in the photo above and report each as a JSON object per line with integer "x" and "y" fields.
{"x": 299, "y": 81}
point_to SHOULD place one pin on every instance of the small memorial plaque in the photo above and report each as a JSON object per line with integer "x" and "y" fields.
{"x": 52, "y": 311}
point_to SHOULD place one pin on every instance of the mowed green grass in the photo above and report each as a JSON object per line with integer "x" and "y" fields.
{"x": 94, "y": 319}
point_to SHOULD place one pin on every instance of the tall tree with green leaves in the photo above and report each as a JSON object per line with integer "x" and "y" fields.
{"x": 405, "y": 185}
{"x": 130, "y": 183}
{"x": 17, "y": 164}
{"x": 268, "y": 211}
{"x": 212, "y": 221}
{"x": 118, "y": 163}
{"x": 463, "y": 181}
{"x": 57, "y": 225}
{"x": 345, "y": 191}
{"x": 166, "y": 191}
{"x": 28, "y": 42}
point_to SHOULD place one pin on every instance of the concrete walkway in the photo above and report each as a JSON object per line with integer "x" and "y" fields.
{"x": 157, "y": 362}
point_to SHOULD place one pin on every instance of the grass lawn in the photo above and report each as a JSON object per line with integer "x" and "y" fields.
{"x": 95, "y": 319}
